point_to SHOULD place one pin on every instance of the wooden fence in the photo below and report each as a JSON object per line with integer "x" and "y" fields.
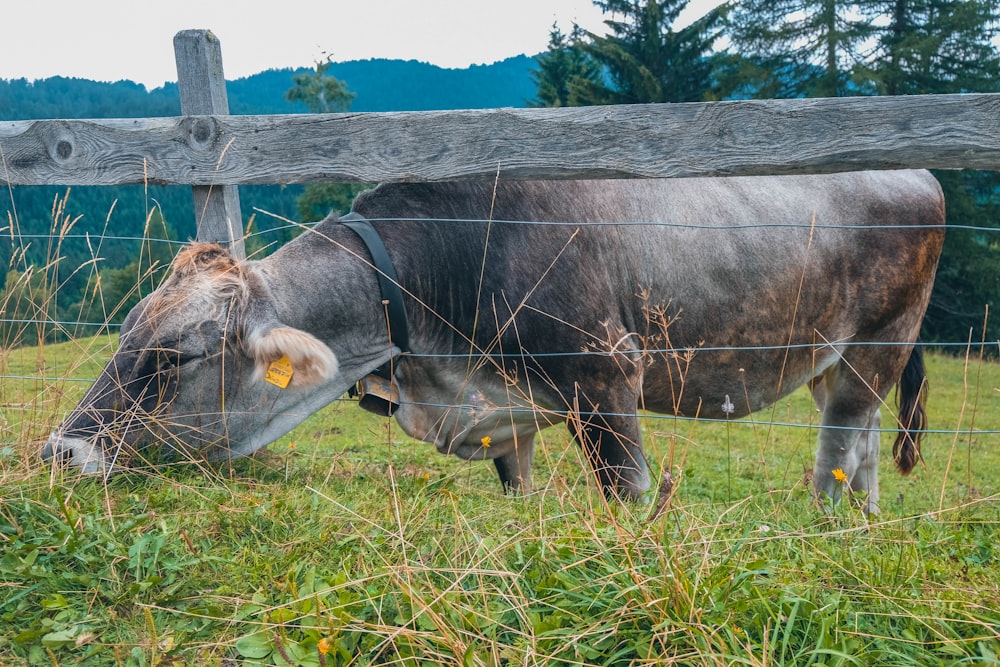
{"x": 215, "y": 152}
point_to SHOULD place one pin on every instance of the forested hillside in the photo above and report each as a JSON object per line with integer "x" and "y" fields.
{"x": 379, "y": 85}
{"x": 106, "y": 222}
{"x": 397, "y": 85}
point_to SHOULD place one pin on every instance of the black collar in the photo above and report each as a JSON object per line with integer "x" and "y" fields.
{"x": 392, "y": 295}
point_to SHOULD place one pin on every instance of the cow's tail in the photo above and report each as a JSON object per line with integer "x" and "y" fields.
{"x": 912, "y": 416}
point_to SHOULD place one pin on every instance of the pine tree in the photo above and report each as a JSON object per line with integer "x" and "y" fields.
{"x": 563, "y": 63}
{"x": 645, "y": 60}
{"x": 802, "y": 48}
{"x": 935, "y": 46}
{"x": 320, "y": 92}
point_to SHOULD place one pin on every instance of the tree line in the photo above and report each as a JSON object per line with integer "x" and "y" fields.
{"x": 738, "y": 50}
{"x": 811, "y": 48}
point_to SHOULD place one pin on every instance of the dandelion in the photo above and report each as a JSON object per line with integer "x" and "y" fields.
{"x": 727, "y": 406}
{"x": 486, "y": 441}
{"x": 291, "y": 445}
{"x": 324, "y": 646}
{"x": 840, "y": 475}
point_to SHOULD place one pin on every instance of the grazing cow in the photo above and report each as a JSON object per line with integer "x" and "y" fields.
{"x": 707, "y": 298}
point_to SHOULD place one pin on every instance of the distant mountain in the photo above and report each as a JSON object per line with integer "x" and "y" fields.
{"x": 380, "y": 85}
{"x": 61, "y": 97}
{"x": 397, "y": 85}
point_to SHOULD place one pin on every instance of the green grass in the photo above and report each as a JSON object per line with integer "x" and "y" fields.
{"x": 348, "y": 543}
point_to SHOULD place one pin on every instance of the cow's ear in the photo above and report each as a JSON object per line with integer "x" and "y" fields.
{"x": 311, "y": 360}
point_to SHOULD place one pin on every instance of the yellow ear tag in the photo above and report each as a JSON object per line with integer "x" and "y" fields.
{"x": 279, "y": 373}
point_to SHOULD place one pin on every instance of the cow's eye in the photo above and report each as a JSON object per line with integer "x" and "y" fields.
{"x": 170, "y": 359}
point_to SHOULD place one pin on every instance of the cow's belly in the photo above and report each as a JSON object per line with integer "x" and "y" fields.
{"x": 731, "y": 383}
{"x": 456, "y": 414}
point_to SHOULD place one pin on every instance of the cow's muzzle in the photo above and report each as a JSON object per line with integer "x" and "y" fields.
{"x": 79, "y": 453}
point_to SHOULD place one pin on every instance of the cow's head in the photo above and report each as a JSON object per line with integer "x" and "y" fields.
{"x": 192, "y": 370}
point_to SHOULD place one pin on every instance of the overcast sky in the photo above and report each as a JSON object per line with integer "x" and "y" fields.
{"x": 110, "y": 40}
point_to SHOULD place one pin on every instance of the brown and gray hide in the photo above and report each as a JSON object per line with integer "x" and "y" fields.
{"x": 704, "y": 298}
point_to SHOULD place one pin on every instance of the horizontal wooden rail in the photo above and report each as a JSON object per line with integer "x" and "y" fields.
{"x": 649, "y": 140}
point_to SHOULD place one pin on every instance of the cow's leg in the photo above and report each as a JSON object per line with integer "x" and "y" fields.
{"x": 514, "y": 466}
{"x": 865, "y": 479}
{"x": 610, "y": 439}
{"x": 818, "y": 388}
{"x": 848, "y": 439}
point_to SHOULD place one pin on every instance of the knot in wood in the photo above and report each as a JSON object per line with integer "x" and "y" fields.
{"x": 59, "y": 141}
{"x": 201, "y": 131}
{"x": 64, "y": 149}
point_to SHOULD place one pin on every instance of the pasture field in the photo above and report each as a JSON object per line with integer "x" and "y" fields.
{"x": 347, "y": 543}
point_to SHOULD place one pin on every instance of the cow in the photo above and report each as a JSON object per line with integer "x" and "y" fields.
{"x": 706, "y": 298}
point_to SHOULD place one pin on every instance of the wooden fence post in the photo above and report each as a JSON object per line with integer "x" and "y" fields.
{"x": 202, "y": 87}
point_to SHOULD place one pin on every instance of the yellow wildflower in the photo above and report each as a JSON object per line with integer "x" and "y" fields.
{"x": 839, "y": 475}
{"x": 325, "y": 645}
{"x": 487, "y": 441}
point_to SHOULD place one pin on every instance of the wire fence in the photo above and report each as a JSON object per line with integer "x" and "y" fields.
{"x": 80, "y": 327}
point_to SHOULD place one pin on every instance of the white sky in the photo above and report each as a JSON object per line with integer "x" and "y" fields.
{"x": 110, "y": 40}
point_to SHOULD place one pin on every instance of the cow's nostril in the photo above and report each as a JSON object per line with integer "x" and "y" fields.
{"x": 56, "y": 454}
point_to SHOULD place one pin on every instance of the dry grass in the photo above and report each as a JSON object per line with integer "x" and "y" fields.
{"x": 350, "y": 544}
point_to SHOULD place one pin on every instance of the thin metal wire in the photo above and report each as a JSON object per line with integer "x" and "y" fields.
{"x": 597, "y": 353}
{"x": 804, "y": 226}
{"x": 672, "y": 225}
{"x": 745, "y": 421}
{"x": 686, "y": 225}
{"x": 40, "y": 378}
{"x": 87, "y": 237}
{"x": 686, "y": 350}
{"x": 61, "y": 324}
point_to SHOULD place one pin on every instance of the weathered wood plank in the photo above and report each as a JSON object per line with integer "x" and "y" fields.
{"x": 668, "y": 140}
{"x": 202, "y": 87}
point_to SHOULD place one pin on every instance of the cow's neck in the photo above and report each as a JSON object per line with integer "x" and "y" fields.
{"x": 391, "y": 296}
{"x": 324, "y": 284}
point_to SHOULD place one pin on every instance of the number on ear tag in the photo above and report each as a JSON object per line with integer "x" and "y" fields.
{"x": 279, "y": 373}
